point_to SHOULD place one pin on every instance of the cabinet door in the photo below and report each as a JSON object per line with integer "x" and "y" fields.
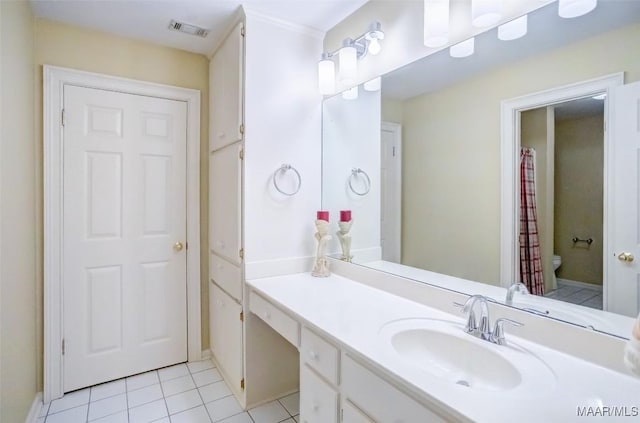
{"x": 318, "y": 401}
{"x": 226, "y": 91}
{"x": 351, "y": 414}
{"x": 226, "y": 334}
{"x": 225, "y": 175}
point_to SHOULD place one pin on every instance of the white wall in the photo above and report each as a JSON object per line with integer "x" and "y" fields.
{"x": 282, "y": 125}
{"x": 351, "y": 139}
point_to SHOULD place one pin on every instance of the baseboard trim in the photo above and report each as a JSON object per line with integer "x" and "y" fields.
{"x": 34, "y": 411}
{"x": 206, "y": 354}
{"x": 579, "y": 284}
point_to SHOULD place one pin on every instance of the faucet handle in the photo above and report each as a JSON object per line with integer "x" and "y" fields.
{"x": 498, "y": 331}
{"x": 472, "y": 325}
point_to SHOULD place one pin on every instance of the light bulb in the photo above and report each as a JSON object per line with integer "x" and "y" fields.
{"x": 513, "y": 30}
{"x": 326, "y": 75}
{"x": 436, "y": 23}
{"x": 373, "y": 85}
{"x": 463, "y": 49}
{"x": 350, "y": 94}
{"x": 575, "y": 8}
{"x": 348, "y": 57}
{"x": 485, "y": 12}
{"x": 374, "y": 46}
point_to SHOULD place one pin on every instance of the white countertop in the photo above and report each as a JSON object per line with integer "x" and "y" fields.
{"x": 353, "y": 314}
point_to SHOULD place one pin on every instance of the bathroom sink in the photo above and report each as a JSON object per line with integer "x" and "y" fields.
{"x": 442, "y": 348}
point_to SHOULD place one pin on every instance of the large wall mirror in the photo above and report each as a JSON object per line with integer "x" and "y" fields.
{"x": 421, "y": 165}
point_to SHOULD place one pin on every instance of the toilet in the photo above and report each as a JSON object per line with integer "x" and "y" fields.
{"x": 557, "y": 262}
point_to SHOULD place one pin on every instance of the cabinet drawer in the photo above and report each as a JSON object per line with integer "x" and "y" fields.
{"x": 320, "y": 355}
{"x": 228, "y": 276}
{"x": 351, "y": 414}
{"x": 318, "y": 401}
{"x": 372, "y": 394}
{"x": 276, "y": 318}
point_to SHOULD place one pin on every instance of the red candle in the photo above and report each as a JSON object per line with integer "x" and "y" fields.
{"x": 323, "y": 215}
{"x": 345, "y": 215}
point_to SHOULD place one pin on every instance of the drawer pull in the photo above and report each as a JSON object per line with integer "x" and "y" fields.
{"x": 313, "y": 355}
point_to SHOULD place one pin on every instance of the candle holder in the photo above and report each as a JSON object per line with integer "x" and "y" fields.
{"x": 321, "y": 264}
{"x": 345, "y": 240}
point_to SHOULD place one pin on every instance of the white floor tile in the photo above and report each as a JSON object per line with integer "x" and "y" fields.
{"x": 175, "y": 386}
{"x": 163, "y": 420}
{"x": 107, "y": 390}
{"x": 238, "y": 418}
{"x": 297, "y": 418}
{"x": 173, "y": 372}
{"x": 142, "y": 380}
{"x": 71, "y": 400}
{"x": 73, "y": 415}
{"x": 271, "y": 412}
{"x": 121, "y": 417}
{"x": 291, "y": 403}
{"x": 214, "y": 391}
{"x": 107, "y": 406}
{"x": 44, "y": 409}
{"x": 291, "y": 420}
{"x": 144, "y": 395}
{"x": 195, "y": 415}
{"x": 206, "y": 377}
{"x": 40, "y": 419}
{"x": 183, "y": 401}
{"x": 198, "y": 366}
{"x": 223, "y": 408}
{"x": 148, "y": 412}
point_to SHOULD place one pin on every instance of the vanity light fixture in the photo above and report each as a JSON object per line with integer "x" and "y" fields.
{"x": 485, "y": 12}
{"x": 463, "y": 49}
{"x": 372, "y": 85}
{"x": 513, "y": 30}
{"x": 575, "y": 8}
{"x": 436, "y": 23}
{"x": 348, "y": 55}
{"x": 351, "y": 94}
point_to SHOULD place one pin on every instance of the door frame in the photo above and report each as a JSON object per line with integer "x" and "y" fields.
{"x": 54, "y": 80}
{"x": 396, "y": 130}
{"x": 510, "y": 171}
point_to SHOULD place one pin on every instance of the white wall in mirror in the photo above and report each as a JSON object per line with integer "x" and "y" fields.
{"x": 351, "y": 139}
{"x": 451, "y": 138}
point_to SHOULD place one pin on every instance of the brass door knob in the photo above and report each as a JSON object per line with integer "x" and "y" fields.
{"x": 626, "y": 257}
{"x": 177, "y": 246}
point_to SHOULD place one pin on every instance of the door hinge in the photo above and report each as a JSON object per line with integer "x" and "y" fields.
{"x": 63, "y": 348}
{"x": 242, "y": 31}
{"x": 242, "y": 129}
{"x": 393, "y": 151}
{"x": 241, "y": 253}
{"x": 242, "y": 316}
{"x": 62, "y": 117}
{"x": 186, "y": 245}
{"x": 342, "y": 414}
{"x": 242, "y": 384}
{"x": 241, "y": 154}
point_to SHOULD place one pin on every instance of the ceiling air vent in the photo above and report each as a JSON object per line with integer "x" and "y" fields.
{"x": 188, "y": 28}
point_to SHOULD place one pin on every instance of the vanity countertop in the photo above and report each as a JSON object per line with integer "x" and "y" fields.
{"x": 353, "y": 314}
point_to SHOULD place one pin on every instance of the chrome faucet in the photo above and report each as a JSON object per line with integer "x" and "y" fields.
{"x": 515, "y": 287}
{"x": 479, "y": 326}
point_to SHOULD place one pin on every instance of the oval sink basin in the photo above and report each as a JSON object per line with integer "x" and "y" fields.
{"x": 442, "y": 349}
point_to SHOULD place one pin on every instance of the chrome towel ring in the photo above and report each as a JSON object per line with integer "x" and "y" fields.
{"x": 354, "y": 174}
{"x": 284, "y": 169}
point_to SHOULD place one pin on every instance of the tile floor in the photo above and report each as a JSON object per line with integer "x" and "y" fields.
{"x": 572, "y": 294}
{"x": 184, "y": 393}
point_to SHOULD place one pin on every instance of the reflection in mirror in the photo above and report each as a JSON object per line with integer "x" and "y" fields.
{"x": 434, "y": 210}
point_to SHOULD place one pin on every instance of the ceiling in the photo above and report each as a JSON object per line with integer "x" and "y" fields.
{"x": 547, "y": 31}
{"x": 148, "y": 20}
{"x": 580, "y": 108}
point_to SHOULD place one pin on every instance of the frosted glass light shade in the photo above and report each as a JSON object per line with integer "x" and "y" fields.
{"x": 373, "y": 85}
{"x": 351, "y": 94}
{"x": 348, "y": 57}
{"x": 575, "y": 8}
{"x": 485, "y": 12}
{"x": 463, "y": 49}
{"x": 436, "y": 23}
{"x": 326, "y": 76}
{"x": 374, "y": 47}
{"x": 513, "y": 30}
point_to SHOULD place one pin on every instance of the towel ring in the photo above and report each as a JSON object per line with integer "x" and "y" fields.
{"x": 284, "y": 169}
{"x": 354, "y": 173}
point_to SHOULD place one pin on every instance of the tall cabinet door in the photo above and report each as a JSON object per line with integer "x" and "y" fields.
{"x": 226, "y": 335}
{"x": 225, "y": 178}
{"x": 226, "y": 87}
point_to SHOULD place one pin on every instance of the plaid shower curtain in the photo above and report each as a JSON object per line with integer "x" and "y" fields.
{"x": 530, "y": 259}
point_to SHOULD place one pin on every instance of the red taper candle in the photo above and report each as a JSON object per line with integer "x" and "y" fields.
{"x": 345, "y": 215}
{"x": 323, "y": 215}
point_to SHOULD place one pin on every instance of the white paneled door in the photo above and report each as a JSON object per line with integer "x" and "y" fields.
{"x": 124, "y": 270}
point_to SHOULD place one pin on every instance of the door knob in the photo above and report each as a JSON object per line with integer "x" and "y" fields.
{"x": 628, "y": 257}
{"x": 177, "y": 246}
